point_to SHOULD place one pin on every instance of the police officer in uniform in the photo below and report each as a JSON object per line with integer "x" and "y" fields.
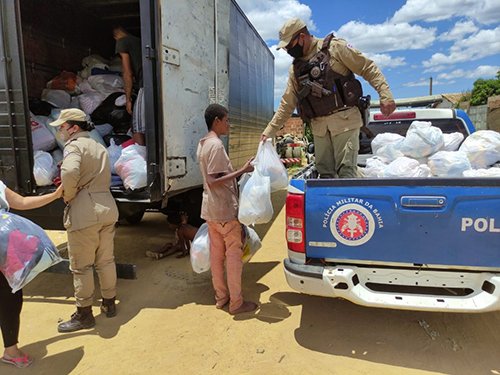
{"x": 322, "y": 86}
{"x": 89, "y": 218}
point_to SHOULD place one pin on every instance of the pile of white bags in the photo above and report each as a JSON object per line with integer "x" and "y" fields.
{"x": 427, "y": 152}
{"x": 131, "y": 167}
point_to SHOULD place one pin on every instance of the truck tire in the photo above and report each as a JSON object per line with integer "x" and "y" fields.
{"x": 135, "y": 218}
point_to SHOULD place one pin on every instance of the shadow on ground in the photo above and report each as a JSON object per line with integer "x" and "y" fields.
{"x": 440, "y": 342}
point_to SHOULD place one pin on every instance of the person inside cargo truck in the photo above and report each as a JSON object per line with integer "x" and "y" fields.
{"x": 322, "y": 86}
{"x": 129, "y": 48}
{"x": 220, "y": 210}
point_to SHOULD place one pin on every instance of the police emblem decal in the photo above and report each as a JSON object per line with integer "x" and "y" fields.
{"x": 352, "y": 224}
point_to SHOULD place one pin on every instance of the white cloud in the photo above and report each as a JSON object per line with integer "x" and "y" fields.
{"x": 268, "y": 16}
{"x": 483, "y": 11}
{"x": 282, "y": 62}
{"x": 483, "y": 71}
{"x": 384, "y": 60}
{"x": 459, "y": 31}
{"x": 482, "y": 44}
{"x": 386, "y": 36}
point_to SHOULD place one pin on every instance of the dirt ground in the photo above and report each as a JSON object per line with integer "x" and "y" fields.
{"x": 167, "y": 323}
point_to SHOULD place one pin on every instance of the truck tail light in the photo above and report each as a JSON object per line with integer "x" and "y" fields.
{"x": 295, "y": 230}
{"x": 398, "y": 115}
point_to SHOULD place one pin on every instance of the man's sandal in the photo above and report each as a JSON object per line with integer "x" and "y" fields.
{"x": 19, "y": 362}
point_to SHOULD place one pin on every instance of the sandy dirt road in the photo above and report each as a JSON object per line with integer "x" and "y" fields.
{"x": 167, "y": 323}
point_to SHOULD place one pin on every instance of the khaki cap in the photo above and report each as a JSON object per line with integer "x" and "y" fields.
{"x": 289, "y": 29}
{"x": 71, "y": 114}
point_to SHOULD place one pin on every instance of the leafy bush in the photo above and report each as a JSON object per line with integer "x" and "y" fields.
{"x": 483, "y": 89}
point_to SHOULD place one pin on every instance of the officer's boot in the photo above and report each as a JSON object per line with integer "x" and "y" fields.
{"x": 108, "y": 307}
{"x": 81, "y": 319}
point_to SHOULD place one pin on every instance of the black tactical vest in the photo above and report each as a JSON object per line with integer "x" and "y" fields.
{"x": 321, "y": 90}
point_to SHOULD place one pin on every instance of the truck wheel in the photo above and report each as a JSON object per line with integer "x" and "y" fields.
{"x": 135, "y": 218}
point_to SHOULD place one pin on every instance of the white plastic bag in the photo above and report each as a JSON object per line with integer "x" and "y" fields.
{"x": 106, "y": 83}
{"x": 384, "y": 139}
{"x": 374, "y": 167}
{"x": 402, "y": 167}
{"x": 268, "y": 163}
{"x": 255, "y": 200}
{"x": 104, "y": 129}
{"x": 58, "y": 98}
{"x": 251, "y": 245}
{"x": 44, "y": 170}
{"x": 200, "y": 250}
{"x": 131, "y": 167}
{"x": 114, "y": 151}
{"x": 422, "y": 139}
{"x": 482, "y": 148}
{"x": 452, "y": 141}
{"x": 449, "y": 163}
{"x": 43, "y": 139}
{"x": 90, "y": 101}
{"x": 25, "y": 250}
{"x": 490, "y": 172}
{"x": 390, "y": 152}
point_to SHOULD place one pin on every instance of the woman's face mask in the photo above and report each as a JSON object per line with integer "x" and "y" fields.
{"x": 64, "y": 132}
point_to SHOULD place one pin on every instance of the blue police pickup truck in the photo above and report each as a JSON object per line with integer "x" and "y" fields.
{"x": 417, "y": 244}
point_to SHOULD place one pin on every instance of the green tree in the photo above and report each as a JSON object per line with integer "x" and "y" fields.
{"x": 484, "y": 88}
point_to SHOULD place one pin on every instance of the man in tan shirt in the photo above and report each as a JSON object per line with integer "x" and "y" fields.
{"x": 220, "y": 210}
{"x": 336, "y": 134}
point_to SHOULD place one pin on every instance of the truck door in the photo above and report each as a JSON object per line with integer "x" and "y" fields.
{"x": 16, "y": 160}
{"x": 150, "y": 35}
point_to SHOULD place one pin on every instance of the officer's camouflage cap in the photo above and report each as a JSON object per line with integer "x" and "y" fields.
{"x": 288, "y": 30}
{"x": 71, "y": 114}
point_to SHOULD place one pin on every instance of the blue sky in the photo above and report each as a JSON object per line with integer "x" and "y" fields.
{"x": 453, "y": 41}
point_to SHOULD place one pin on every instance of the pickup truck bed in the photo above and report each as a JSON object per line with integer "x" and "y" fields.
{"x": 422, "y": 244}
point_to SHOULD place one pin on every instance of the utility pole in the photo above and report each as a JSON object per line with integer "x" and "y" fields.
{"x": 430, "y": 86}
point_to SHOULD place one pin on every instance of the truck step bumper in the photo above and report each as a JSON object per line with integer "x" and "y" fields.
{"x": 399, "y": 288}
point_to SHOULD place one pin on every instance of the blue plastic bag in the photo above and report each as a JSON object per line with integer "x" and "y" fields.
{"x": 25, "y": 250}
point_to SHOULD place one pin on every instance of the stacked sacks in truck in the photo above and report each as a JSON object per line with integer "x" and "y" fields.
{"x": 427, "y": 152}
{"x": 98, "y": 90}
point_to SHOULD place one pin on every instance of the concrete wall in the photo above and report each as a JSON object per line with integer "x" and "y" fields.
{"x": 494, "y": 113}
{"x": 478, "y": 115}
{"x": 486, "y": 116}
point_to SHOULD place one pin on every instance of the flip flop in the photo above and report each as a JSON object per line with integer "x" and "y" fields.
{"x": 19, "y": 362}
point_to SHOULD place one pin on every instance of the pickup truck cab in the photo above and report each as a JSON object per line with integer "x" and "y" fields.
{"x": 418, "y": 244}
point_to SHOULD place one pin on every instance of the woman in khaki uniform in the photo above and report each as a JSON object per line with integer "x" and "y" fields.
{"x": 89, "y": 218}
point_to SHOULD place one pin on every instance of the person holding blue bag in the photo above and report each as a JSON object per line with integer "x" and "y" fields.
{"x": 11, "y": 303}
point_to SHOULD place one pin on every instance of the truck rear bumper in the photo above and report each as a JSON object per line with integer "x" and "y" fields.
{"x": 406, "y": 289}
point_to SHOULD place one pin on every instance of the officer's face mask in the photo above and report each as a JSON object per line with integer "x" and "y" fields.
{"x": 297, "y": 50}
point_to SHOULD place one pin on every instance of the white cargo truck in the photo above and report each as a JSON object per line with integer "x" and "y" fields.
{"x": 194, "y": 53}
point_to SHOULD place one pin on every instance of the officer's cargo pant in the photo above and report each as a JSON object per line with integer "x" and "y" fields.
{"x": 336, "y": 155}
{"x": 92, "y": 246}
